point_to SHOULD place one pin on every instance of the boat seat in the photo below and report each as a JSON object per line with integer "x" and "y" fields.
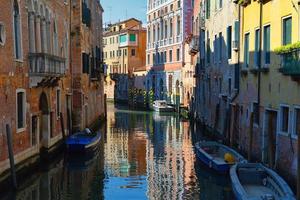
{"x": 251, "y": 176}
{"x": 268, "y": 197}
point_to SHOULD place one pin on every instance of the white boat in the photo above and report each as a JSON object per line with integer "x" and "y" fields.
{"x": 162, "y": 106}
{"x": 253, "y": 181}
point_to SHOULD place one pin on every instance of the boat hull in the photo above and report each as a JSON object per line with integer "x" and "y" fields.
{"x": 83, "y": 145}
{"x": 243, "y": 194}
{"x": 163, "y": 109}
{"x": 211, "y": 161}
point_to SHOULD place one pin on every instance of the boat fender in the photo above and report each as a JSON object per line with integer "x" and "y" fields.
{"x": 87, "y": 131}
{"x": 210, "y": 164}
{"x": 264, "y": 182}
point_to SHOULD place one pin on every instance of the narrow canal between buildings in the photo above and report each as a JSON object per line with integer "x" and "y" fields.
{"x": 142, "y": 155}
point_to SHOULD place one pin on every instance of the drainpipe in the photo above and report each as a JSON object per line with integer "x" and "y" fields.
{"x": 260, "y": 56}
{"x": 232, "y": 99}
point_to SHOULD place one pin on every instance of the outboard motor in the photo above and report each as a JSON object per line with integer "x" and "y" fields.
{"x": 87, "y": 131}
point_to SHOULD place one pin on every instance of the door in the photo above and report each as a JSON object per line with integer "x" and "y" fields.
{"x": 269, "y": 148}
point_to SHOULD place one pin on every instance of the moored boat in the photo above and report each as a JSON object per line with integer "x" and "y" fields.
{"x": 217, "y": 156}
{"x": 83, "y": 141}
{"x": 162, "y": 106}
{"x": 253, "y": 181}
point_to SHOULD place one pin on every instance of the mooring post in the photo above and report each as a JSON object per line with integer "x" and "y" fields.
{"x": 11, "y": 156}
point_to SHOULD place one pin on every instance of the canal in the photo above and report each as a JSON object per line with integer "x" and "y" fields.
{"x": 142, "y": 155}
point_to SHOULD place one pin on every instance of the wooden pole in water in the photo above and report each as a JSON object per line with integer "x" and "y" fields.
{"x": 11, "y": 156}
{"x": 250, "y": 136}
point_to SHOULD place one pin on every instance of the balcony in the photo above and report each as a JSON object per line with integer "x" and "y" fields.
{"x": 290, "y": 63}
{"x": 43, "y": 64}
{"x": 45, "y": 70}
{"x": 194, "y": 45}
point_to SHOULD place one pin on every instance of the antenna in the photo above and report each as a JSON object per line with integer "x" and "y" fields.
{"x": 126, "y": 14}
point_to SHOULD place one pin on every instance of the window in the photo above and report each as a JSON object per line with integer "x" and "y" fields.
{"x": 207, "y": 9}
{"x": 257, "y": 43}
{"x": 165, "y": 56}
{"x": 132, "y": 52}
{"x": 125, "y": 52}
{"x": 246, "y": 50}
{"x": 208, "y": 51}
{"x": 220, "y": 3}
{"x": 178, "y": 26}
{"x": 215, "y": 49}
{"x": 171, "y": 7}
{"x": 284, "y": 119}
{"x": 132, "y": 37}
{"x": 166, "y": 29}
{"x": 297, "y": 122}
{"x": 123, "y": 38}
{"x": 179, "y": 4}
{"x": 21, "y": 109}
{"x": 220, "y": 46}
{"x": 162, "y": 57}
{"x": 170, "y": 56}
{"x": 178, "y": 54}
{"x": 267, "y": 46}
{"x": 153, "y": 59}
{"x": 148, "y": 59}
{"x": 17, "y": 31}
{"x": 287, "y": 31}
{"x": 171, "y": 27}
{"x": 2, "y": 34}
{"x": 229, "y": 41}
{"x": 58, "y": 103}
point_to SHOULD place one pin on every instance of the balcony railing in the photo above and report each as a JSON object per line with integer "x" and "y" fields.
{"x": 290, "y": 63}
{"x": 43, "y": 64}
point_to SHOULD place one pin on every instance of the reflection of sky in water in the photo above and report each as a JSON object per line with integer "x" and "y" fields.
{"x": 142, "y": 156}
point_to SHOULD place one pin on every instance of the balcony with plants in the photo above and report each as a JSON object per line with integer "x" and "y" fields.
{"x": 290, "y": 59}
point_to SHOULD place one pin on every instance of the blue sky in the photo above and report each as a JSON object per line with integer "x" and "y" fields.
{"x": 116, "y": 10}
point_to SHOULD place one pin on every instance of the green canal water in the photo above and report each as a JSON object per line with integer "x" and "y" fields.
{"x": 142, "y": 155}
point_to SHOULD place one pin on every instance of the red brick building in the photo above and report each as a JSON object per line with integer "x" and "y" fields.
{"x": 87, "y": 62}
{"x": 39, "y": 73}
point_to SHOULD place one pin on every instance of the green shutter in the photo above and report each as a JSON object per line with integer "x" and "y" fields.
{"x": 132, "y": 38}
{"x": 287, "y": 31}
{"x": 229, "y": 41}
{"x": 123, "y": 38}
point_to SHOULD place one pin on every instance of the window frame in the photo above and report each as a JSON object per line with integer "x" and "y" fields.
{"x": 58, "y": 102}
{"x": 20, "y": 59}
{"x": 281, "y": 121}
{"x": 263, "y": 45}
{"x": 284, "y": 19}
{"x": 294, "y": 132}
{"x": 246, "y": 61}
{"x": 21, "y": 129}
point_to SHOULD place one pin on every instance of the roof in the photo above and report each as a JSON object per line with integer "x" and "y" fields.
{"x": 132, "y": 28}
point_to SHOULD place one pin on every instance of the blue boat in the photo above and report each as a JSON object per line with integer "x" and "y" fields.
{"x": 253, "y": 181}
{"x": 217, "y": 156}
{"x": 83, "y": 141}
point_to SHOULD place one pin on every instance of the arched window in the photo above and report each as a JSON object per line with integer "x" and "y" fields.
{"x": 171, "y": 28}
{"x": 17, "y": 31}
{"x": 178, "y": 26}
{"x": 55, "y": 39}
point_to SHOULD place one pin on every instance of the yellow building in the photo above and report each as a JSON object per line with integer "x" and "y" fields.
{"x": 124, "y": 51}
{"x": 270, "y": 89}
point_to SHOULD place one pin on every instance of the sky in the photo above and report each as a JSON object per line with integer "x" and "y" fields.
{"x": 115, "y": 10}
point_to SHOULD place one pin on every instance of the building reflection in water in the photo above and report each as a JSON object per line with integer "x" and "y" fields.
{"x": 142, "y": 155}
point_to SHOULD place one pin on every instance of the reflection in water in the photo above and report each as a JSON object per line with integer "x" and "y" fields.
{"x": 142, "y": 156}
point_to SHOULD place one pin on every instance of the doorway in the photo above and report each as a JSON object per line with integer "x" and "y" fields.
{"x": 269, "y": 138}
{"x": 45, "y": 119}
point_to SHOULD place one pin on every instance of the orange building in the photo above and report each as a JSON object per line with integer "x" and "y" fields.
{"x": 124, "y": 52}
